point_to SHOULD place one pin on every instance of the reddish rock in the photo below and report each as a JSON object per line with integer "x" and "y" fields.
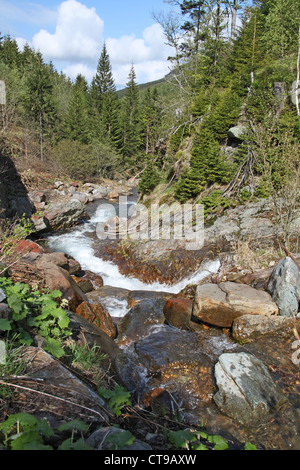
{"x": 97, "y": 315}
{"x": 178, "y": 312}
{"x": 26, "y": 246}
{"x": 57, "y": 278}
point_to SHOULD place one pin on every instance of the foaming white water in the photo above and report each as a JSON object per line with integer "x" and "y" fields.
{"x": 77, "y": 244}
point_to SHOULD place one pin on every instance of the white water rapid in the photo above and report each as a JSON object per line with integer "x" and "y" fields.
{"x": 79, "y": 244}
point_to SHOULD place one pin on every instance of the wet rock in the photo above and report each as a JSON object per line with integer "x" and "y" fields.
{"x": 248, "y": 328}
{"x": 95, "y": 279}
{"x": 96, "y": 314}
{"x": 84, "y": 284}
{"x": 284, "y": 286}
{"x": 220, "y": 304}
{"x": 246, "y": 392}
{"x": 181, "y": 362}
{"x": 108, "y": 291}
{"x": 5, "y": 311}
{"x": 134, "y": 297}
{"x": 140, "y": 320}
{"x": 178, "y": 313}
{"x": 102, "y": 439}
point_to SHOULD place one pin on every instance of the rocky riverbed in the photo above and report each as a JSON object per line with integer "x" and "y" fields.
{"x": 221, "y": 354}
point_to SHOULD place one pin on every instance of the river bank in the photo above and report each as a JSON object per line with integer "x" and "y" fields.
{"x": 174, "y": 346}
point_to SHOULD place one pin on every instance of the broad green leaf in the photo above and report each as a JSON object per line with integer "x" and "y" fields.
{"x": 31, "y": 439}
{"x": 25, "y": 420}
{"x": 199, "y": 446}
{"x": 249, "y": 446}
{"x": 53, "y": 346}
{"x": 180, "y": 439}
{"x": 74, "y": 424}
{"x": 68, "y": 444}
{"x": 120, "y": 439}
{"x": 5, "y": 325}
{"x": 220, "y": 443}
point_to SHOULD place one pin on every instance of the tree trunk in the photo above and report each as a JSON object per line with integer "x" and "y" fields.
{"x": 41, "y": 137}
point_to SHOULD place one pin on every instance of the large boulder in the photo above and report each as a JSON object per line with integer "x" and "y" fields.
{"x": 220, "y": 304}
{"x": 64, "y": 215}
{"x": 284, "y": 286}
{"x": 247, "y": 392}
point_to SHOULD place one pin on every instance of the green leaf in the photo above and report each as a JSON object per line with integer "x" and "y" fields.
{"x": 26, "y": 439}
{"x": 199, "y": 446}
{"x": 44, "y": 428}
{"x": 118, "y": 398}
{"x": 5, "y": 325}
{"x": 25, "y": 420}
{"x": 74, "y": 424}
{"x": 53, "y": 346}
{"x": 220, "y": 443}
{"x": 68, "y": 444}
{"x": 249, "y": 446}
{"x": 19, "y": 309}
{"x": 180, "y": 439}
{"x": 120, "y": 439}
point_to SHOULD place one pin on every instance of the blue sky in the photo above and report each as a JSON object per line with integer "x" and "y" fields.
{"x": 71, "y": 33}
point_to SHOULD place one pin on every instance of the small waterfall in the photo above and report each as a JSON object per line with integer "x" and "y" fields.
{"x": 78, "y": 243}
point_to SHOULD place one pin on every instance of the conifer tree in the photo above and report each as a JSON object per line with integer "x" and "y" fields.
{"x": 105, "y": 101}
{"x": 131, "y": 121}
{"x": 77, "y": 122}
{"x": 40, "y": 99}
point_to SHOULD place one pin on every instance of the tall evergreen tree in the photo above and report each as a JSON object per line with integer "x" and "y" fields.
{"x": 104, "y": 98}
{"x": 40, "y": 99}
{"x": 77, "y": 121}
{"x": 131, "y": 121}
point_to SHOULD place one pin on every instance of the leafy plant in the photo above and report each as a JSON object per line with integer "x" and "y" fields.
{"x": 191, "y": 440}
{"x": 34, "y": 311}
{"x": 120, "y": 439}
{"x": 23, "y": 431}
{"x": 117, "y": 398}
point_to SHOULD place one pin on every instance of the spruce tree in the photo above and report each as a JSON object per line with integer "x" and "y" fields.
{"x": 40, "y": 100}
{"x": 105, "y": 101}
{"x": 77, "y": 122}
{"x": 131, "y": 122}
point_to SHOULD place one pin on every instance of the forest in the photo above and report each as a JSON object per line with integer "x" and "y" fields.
{"x": 234, "y": 67}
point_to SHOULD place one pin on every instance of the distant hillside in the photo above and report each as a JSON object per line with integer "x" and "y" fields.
{"x": 163, "y": 86}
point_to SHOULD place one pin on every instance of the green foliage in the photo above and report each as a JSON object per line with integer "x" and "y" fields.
{"x": 35, "y": 311}
{"x": 23, "y": 431}
{"x": 214, "y": 202}
{"x": 117, "y": 398}
{"x": 151, "y": 177}
{"x": 119, "y": 440}
{"x": 191, "y": 440}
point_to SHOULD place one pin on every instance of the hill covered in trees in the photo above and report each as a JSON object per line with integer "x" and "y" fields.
{"x": 224, "y": 75}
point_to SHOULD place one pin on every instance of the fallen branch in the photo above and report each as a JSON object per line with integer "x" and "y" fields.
{"x": 7, "y": 384}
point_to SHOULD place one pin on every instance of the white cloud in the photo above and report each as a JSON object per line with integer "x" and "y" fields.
{"x": 78, "y": 34}
{"x": 128, "y": 49}
{"x": 74, "y": 70}
{"x": 76, "y": 40}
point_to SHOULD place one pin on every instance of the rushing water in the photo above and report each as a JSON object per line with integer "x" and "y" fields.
{"x": 78, "y": 242}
